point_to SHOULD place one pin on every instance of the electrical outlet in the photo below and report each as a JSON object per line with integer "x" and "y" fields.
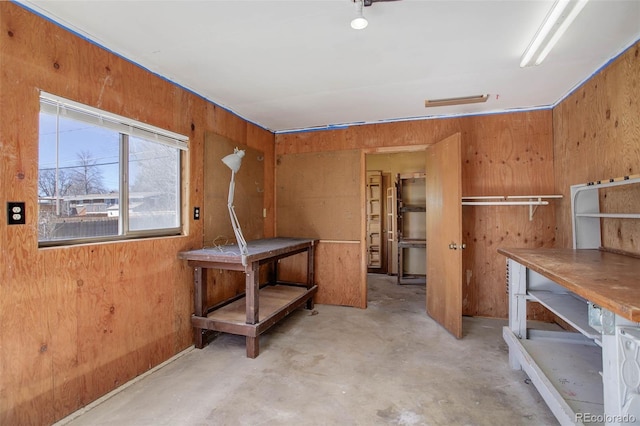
{"x": 196, "y": 213}
{"x": 15, "y": 213}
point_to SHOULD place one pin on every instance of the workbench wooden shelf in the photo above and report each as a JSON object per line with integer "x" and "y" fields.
{"x": 276, "y": 302}
{"x": 261, "y": 306}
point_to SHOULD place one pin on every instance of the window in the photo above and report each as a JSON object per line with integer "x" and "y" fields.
{"x": 104, "y": 177}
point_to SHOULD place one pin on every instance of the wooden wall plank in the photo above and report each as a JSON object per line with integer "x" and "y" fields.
{"x": 597, "y": 129}
{"x": 263, "y": 141}
{"x": 318, "y": 195}
{"x": 336, "y": 273}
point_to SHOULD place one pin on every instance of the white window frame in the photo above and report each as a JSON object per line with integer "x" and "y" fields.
{"x": 126, "y": 127}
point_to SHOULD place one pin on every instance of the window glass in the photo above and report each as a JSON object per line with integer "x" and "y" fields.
{"x": 153, "y": 176}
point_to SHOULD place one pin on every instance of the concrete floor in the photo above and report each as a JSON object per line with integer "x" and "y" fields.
{"x": 389, "y": 364}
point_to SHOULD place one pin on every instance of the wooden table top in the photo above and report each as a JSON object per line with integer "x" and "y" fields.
{"x": 609, "y": 280}
{"x": 257, "y": 250}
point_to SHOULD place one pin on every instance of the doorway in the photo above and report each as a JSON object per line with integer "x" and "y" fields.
{"x": 383, "y": 170}
{"x": 441, "y": 166}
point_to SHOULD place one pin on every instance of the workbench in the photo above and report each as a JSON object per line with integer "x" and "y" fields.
{"x": 261, "y": 306}
{"x": 590, "y": 374}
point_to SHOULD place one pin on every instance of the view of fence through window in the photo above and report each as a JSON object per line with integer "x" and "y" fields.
{"x": 98, "y": 183}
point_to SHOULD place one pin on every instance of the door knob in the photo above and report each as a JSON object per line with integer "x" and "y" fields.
{"x": 453, "y": 246}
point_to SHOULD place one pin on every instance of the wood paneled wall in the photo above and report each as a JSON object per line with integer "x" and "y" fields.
{"x": 502, "y": 154}
{"x": 597, "y": 137}
{"x": 319, "y": 195}
{"x": 315, "y": 204}
{"x": 79, "y": 321}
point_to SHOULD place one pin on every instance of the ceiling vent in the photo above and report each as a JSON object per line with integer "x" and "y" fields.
{"x": 455, "y": 101}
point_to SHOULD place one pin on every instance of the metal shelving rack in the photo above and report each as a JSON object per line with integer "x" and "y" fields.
{"x": 408, "y": 240}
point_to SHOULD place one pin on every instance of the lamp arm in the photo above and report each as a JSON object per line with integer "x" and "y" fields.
{"x": 242, "y": 244}
{"x": 232, "y": 189}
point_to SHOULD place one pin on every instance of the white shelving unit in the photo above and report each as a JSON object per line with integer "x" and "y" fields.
{"x": 585, "y": 205}
{"x": 411, "y": 223}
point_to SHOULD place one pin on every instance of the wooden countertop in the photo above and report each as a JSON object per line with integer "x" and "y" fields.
{"x": 257, "y": 250}
{"x": 609, "y": 280}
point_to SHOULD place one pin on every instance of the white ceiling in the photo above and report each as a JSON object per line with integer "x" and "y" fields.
{"x": 289, "y": 65}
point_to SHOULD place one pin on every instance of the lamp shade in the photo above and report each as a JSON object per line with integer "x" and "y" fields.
{"x": 234, "y": 161}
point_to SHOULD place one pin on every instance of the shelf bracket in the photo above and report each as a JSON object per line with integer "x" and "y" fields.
{"x": 533, "y": 208}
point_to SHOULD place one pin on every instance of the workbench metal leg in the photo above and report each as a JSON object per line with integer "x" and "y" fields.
{"x": 517, "y": 305}
{"x": 199, "y": 302}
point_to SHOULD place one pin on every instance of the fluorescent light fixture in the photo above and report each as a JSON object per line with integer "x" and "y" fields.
{"x": 359, "y": 22}
{"x": 455, "y": 101}
{"x": 561, "y": 15}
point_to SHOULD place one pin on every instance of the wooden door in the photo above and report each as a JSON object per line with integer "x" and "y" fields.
{"x": 444, "y": 234}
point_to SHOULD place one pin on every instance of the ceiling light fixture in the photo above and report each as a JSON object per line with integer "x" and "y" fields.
{"x": 359, "y": 22}
{"x": 561, "y": 15}
{"x": 455, "y": 101}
